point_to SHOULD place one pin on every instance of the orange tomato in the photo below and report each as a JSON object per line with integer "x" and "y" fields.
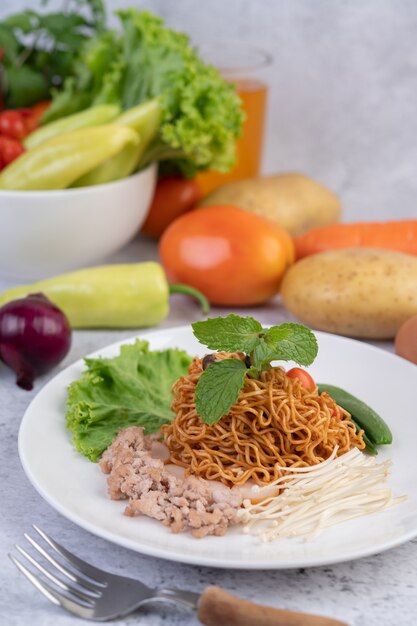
{"x": 304, "y": 377}
{"x": 234, "y": 257}
{"x": 173, "y": 197}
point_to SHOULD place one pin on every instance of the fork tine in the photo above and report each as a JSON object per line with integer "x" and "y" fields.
{"x": 34, "y": 580}
{"x": 75, "y": 578}
{"x": 52, "y": 595}
{"x": 87, "y": 595}
{"x": 96, "y": 575}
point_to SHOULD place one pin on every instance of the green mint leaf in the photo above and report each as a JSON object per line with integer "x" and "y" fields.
{"x": 290, "y": 342}
{"x": 262, "y": 355}
{"x": 231, "y": 333}
{"x": 218, "y": 389}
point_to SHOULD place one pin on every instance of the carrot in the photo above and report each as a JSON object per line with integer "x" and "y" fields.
{"x": 400, "y": 235}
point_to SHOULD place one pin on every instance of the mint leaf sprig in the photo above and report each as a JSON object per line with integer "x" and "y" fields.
{"x": 219, "y": 385}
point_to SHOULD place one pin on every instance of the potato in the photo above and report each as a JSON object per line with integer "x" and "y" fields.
{"x": 359, "y": 292}
{"x": 291, "y": 200}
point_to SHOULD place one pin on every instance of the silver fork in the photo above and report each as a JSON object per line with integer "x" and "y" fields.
{"x": 94, "y": 594}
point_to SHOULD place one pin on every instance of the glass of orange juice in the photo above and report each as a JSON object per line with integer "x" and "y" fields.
{"x": 242, "y": 65}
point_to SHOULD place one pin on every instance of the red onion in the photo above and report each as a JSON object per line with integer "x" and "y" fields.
{"x": 35, "y": 336}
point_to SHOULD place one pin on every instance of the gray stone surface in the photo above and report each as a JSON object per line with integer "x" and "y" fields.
{"x": 375, "y": 591}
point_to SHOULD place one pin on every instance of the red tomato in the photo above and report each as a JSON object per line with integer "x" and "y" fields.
{"x": 10, "y": 149}
{"x": 234, "y": 257}
{"x": 173, "y": 197}
{"x": 303, "y": 376}
{"x": 33, "y": 117}
{"x": 12, "y": 125}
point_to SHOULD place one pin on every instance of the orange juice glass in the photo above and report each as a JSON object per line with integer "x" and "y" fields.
{"x": 241, "y": 65}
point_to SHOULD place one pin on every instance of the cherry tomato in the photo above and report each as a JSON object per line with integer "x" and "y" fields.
{"x": 10, "y": 149}
{"x": 12, "y": 125}
{"x": 33, "y": 118}
{"x": 173, "y": 197}
{"x": 234, "y": 257}
{"x": 303, "y": 376}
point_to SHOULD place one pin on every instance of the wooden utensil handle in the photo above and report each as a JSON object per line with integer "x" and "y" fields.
{"x": 219, "y": 608}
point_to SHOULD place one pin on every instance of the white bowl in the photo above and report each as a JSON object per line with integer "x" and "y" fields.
{"x": 43, "y": 233}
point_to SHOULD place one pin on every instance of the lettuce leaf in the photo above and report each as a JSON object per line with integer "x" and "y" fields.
{"x": 201, "y": 112}
{"x": 132, "y": 389}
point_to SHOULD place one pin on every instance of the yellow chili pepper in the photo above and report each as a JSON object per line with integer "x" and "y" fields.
{"x": 145, "y": 119}
{"x": 95, "y": 116}
{"x": 58, "y": 162}
{"x": 110, "y": 296}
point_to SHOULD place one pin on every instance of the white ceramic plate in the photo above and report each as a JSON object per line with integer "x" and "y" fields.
{"x": 77, "y": 488}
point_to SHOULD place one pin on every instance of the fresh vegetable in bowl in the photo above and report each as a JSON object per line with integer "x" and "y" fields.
{"x": 233, "y": 257}
{"x": 35, "y": 336}
{"x": 58, "y": 162}
{"x": 41, "y": 50}
{"x": 94, "y": 116}
{"x": 110, "y": 296}
{"x": 200, "y": 112}
{"x": 15, "y": 125}
{"x": 186, "y": 114}
{"x": 145, "y": 119}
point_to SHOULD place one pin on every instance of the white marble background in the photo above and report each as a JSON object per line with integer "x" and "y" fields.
{"x": 343, "y": 88}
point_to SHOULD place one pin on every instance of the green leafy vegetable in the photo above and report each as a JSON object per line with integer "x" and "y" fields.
{"x": 229, "y": 333}
{"x": 40, "y": 50}
{"x": 130, "y": 389}
{"x": 201, "y": 113}
{"x": 219, "y": 385}
{"x": 218, "y": 388}
{"x": 289, "y": 342}
{"x": 72, "y": 56}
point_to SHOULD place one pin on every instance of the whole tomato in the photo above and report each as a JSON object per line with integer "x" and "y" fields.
{"x": 12, "y": 125}
{"x": 304, "y": 377}
{"x": 174, "y": 196}
{"x": 10, "y": 149}
{"x": 234, "y": 257}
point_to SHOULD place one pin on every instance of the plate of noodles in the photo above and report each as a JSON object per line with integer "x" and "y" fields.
{"x": 328, "y": 500}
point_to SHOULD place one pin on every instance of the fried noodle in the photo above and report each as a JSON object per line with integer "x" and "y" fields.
{"x": 275, "y": 423}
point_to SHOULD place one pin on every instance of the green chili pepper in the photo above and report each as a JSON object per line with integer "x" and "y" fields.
{"x": 145, "y": 119}
{"x": 95, "y": 116}
{"x": 110, "y": 296}
{"x": 57, "y": 163}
